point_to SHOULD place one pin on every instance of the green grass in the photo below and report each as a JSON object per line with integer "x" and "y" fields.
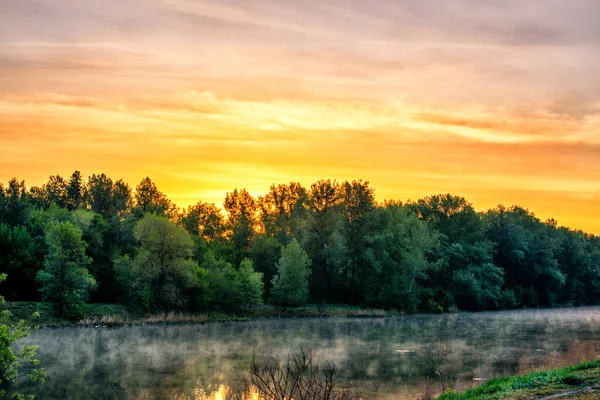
{"x": 535, "y": 384}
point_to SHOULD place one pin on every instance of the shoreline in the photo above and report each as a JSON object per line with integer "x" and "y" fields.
{"x": 116, "y": 315}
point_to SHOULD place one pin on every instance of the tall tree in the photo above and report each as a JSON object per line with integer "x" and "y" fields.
{"x": 323, "y": 239}
{"x": 224, "y": 283}
{"x": 397, "y": 258}
{"x": 56, "y": 191}
{"x": 251, "y": 284}
{"x": 290, "y": 285}
{"x": 265, "y": 251}
{"x": 525, "y": 250}
{"x": 357, "y": 199}
{"x": 122, "y": 198}
{"x": 152, "y": 200}
{"x": 18, "y": 259}
{"x": 16, "y": 203}
{"x": 281, "y": 209}
{"x": 203, "y": 219}
{"x": 99, "y": 195}
{"x": 242, "y": 218}
{"x": 75, "y": 191}
{"x": 163, "y": 263}
{"x": 65, "y": 280}
{"x": 453, "y": 216}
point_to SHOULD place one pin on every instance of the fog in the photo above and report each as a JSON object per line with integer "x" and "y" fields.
{"x": 382, "y": 358}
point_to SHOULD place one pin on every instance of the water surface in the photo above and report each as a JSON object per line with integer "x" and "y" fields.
{"x": 382, "y": 358}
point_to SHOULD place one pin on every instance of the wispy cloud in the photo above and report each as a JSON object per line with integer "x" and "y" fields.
{"x": 495, "y": 100}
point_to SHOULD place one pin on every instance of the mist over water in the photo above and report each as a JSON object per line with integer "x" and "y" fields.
{"x": 382, "y": 358}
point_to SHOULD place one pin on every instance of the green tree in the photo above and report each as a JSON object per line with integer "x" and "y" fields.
{"x": 56, "y": 191}
{"x": 453, "y": 216}
{"x": 98, "y": 194}
{"x": 242, "y": 213}
{"x": 281, "y": 210}
{"x": 290, "y": 285}
{"x": 96, "y": 232}
{"x": 75, "y": 191}
{"x": 397, "y": 248}
{"x": 204, "y": 220}
{"x": 122, "y": 200}
{"x": 152, "y": 200}
{"x": 163, "y": 265}
{"x": 357, "y": 199}
{"x": 323, "y": 239}
{"x": 18, "y": 260}
{"x": 476, "y": 283}
{"x": 15, "y": 202}
{"x": 251, "y": 284}
{"x": 265, "y": 252}
{"x": 65, "y": 280}
{"x": 11, "y": 361}
{"x": 224, "y": 283}
{"x": 526, "y": 249}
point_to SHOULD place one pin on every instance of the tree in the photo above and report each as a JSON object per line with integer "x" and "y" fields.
{"x": 65, "y": 280}
{"x": 526, "y": 250}
{"x": 11, "y": 361}
{"x": 95, "y": 232}
{"x": 75, "y": 191}
{"x": 163, "y": 265}
{"x": 265, "y": 252}
{"x": 56, "y": 191}
{"x": 251, "y": 284}
{"x": 290, "y": 285}
{"x": 224, "y": 283}
{"x": 122, "y": 199}
{"x": 476, "y": 283}
{"x": 357, "y": 200}
{"x": 203, "y": 219}
{"x": 99, "y": 195}
{"x": 453, "y": 216}
{"x": 281, "y": 209}
{"x": 18, "y": 260}
{"x": 15, "y": 202}
{"x": 242, "y": 218}
{"x": 323, "y": 239}
{"x": 152, "y": 200}
{"x": 396, "y": 253}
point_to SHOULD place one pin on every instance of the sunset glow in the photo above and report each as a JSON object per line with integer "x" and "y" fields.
{"x": 498, "y": 102}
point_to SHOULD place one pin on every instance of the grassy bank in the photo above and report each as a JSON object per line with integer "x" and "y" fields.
{"x": 116, "y": 314}
{"x": 580, "y": 381}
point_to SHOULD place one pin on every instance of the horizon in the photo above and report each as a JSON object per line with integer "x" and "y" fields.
{"x": 496, "y": 102}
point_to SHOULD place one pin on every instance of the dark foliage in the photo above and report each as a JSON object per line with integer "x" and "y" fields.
{"x": 433, "y": 254}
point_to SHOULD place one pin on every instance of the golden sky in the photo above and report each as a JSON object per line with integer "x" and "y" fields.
{"x": 497, "y": 101}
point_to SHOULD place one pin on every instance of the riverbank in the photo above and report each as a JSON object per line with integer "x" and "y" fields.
{"x": 118, "y": 315}
{"x": 580, "y": 382}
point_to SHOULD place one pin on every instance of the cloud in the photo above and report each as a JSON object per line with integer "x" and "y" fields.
{"x": 463, "y": 96}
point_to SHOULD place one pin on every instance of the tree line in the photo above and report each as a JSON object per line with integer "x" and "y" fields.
{"x": 75, "y": 240}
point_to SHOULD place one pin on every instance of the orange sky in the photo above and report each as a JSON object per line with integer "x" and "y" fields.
{"x": 497, "y": 101}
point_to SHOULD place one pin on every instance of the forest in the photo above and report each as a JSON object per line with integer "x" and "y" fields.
{"x": 73, "y": 241}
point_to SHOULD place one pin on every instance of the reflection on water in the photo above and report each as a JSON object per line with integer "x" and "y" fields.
{"x": 381, "y": 358}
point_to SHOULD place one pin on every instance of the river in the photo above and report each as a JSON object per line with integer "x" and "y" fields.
{"x": 381, "y": 358}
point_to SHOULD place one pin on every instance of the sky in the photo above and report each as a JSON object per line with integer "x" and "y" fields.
{"x": 497, "y": 101}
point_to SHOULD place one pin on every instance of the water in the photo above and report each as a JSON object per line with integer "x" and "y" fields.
{"x": 382, "y": 358}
